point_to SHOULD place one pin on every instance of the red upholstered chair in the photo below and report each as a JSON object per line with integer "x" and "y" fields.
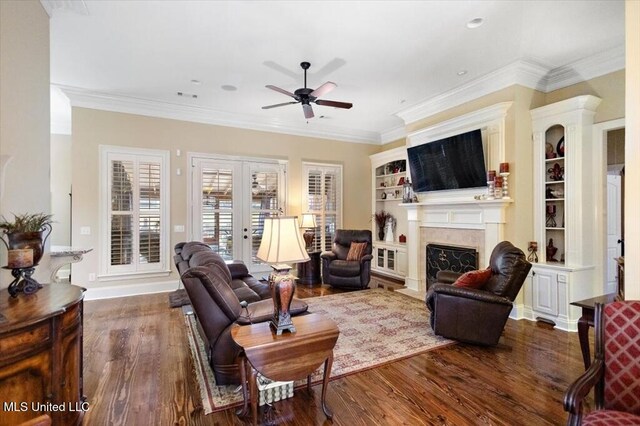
{"x": 615, "y": 371}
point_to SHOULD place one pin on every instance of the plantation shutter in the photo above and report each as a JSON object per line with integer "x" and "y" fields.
{"x": 323, "y": 197}
{"x": 217, "y": 210}
{"x": 137, "y": 216}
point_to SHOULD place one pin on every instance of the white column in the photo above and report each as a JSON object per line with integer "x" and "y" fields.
{"x": 412, "y": 280}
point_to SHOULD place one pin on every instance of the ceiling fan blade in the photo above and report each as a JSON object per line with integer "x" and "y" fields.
{"x": 277, "y": 89}
{"x": 335, "y": 104}
{"x": 308, "y": 111}
{"x": 278, "y": 105}
{"x": 324, "y": 89}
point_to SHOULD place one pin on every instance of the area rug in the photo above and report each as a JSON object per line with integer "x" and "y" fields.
{"x": 178, "y": 298}
{"x": 376, "y": 327}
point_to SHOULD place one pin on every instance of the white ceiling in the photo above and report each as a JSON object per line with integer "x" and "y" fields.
{"x": 385, "y": 56}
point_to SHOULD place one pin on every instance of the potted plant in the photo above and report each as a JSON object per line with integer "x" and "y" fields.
{"x": 27, "y": 231}
{"x": 381, "y": 219}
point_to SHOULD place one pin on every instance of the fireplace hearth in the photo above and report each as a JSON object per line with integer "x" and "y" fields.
{"x": 449, "y": 258}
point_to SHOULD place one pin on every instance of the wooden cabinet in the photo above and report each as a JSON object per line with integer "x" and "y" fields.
{"x": 390, "y": 259}
{"x": 41, "y": 355}
{"x": 564, "y": 210}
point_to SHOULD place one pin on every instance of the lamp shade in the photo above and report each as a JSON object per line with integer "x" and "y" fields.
{"x": 308, "y": 220}
{"x": 281, "y": 242}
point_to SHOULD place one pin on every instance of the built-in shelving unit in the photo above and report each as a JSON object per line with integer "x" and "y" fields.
{"x": 389, "y": 172}
{"x": 564, "y": 212}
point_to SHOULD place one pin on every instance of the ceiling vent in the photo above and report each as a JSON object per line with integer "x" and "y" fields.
{"x": 187, "y": 95}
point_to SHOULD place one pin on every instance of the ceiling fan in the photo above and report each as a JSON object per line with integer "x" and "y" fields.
{"x": 306, "y": 96}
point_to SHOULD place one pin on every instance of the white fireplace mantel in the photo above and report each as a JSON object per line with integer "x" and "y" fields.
{"x": 486, "y": 215}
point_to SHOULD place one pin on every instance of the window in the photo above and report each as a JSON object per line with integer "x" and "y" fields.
{"x": 323, "y": 197}
{"x": 135, "y": 210}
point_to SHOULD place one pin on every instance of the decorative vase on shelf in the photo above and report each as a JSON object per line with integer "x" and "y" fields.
{"x": 381, "y": 234}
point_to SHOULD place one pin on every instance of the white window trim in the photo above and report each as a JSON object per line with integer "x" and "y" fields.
{"x": 309, "y": 165}
{"x": 163, "y": 268}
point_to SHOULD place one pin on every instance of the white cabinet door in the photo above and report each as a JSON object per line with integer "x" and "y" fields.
{"x": 401, "y": 262}
{"x": 545, "y": 292}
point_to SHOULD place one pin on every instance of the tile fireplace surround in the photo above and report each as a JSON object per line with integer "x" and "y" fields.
{"x": 470, "y": 223}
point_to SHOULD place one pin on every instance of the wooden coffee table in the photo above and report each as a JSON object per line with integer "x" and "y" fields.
{"x": 586, "y": 320}
{"x": 290, "y": 356}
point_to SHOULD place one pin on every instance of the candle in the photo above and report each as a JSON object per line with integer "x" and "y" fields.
{"x": 504, "y": 167}
{"x": 20, "y": 258}
{"x": 498, "y": 181}
{"x": 551, "y": 209}
{"x": 491, "y": 175}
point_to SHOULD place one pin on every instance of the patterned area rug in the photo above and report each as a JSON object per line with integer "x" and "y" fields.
{"x": 376, "y": 327}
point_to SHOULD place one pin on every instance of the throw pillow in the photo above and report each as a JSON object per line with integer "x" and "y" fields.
{"x": 356, "y": 251}
{"x": 473, "y": 279}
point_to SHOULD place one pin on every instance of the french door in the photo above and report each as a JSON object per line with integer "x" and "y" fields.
{"x": 230, "y": 200}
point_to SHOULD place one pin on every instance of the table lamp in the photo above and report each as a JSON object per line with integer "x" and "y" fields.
{"x": 309, "y": 224}
{"x": 281, "y": 243}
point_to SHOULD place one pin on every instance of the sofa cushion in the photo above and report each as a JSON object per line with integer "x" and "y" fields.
{"x": 344, "y": 268}
{"x": 192, "y": 247}
{"x": 212, "y": 279}
{"x": 242, "y": 290}
{"x": 210, "y": 259}
{"x": 356, "y": 251}
{"x": 473, "y": 279}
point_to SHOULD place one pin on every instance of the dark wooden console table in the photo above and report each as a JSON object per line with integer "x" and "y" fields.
{"x": 309, "y": 272}
{"x": 290, "y": 356}
{"x": 586, "y": 320}
{"x": 41, "y": 355}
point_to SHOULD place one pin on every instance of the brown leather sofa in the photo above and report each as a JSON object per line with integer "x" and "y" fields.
{"x": 339, "y": 272}
{"x": 478, "y": 315}
{"x": 216, "y": 289}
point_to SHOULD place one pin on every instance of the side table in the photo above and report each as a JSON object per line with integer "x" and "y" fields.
{"x": 309, "y": 272}
{"x": 290, "y": 356}
{"x": 586, "y": 320}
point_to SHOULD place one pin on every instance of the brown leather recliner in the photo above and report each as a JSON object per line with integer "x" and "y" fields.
{"x": 209, "y": 283}
{"x": 478, "y": 315}
{"x": 337, "y": 271}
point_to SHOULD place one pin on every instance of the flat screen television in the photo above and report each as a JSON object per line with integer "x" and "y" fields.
{"x": 452, "y": 163}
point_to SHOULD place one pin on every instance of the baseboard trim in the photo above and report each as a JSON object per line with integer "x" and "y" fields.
{"x": 127, "y": 290}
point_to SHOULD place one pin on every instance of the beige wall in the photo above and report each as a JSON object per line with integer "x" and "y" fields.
{"x": 609, "y": 87}
{"x": 60, "y": 189}
{"x": 24, "y": 111}
{"x": 92, "y": 128}
{"x": 632, "y": 150}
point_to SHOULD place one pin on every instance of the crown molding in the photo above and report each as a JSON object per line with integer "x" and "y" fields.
{"x": 525, "y": 72}
{"x": 130, "y": 105}
{"x": 77, "y": 6}
{"x": 528, "y": 73}
{"x": 393, "y": 135}
{"x": 587, "y": 68}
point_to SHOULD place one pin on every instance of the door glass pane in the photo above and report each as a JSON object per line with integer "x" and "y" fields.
{"x": 380, "y": 257}
{"x": 330, "y": 224}
{"x": 391, "y": 259}
{"x": 264, "y": 203}
{"x": 121, "y": 239}
{"x": 217, "y": 211}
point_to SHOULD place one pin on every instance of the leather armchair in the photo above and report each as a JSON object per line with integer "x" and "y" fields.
{"x": 614, "y": 373}
{"x": 339, "y": 272}
{"x": 478, "y": 315}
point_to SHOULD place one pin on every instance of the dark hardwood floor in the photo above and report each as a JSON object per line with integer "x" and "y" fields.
{"x": 137, "y": 371}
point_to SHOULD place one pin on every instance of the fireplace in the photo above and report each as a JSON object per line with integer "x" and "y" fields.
{"x": 442, "y": 257}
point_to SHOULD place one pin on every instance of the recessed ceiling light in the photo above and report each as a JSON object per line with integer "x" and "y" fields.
{"x": 475, "y": 23}
{"x": 462, "y": 72}
{"x": 196, "y": 82}
{"x": 229, "y": 87}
